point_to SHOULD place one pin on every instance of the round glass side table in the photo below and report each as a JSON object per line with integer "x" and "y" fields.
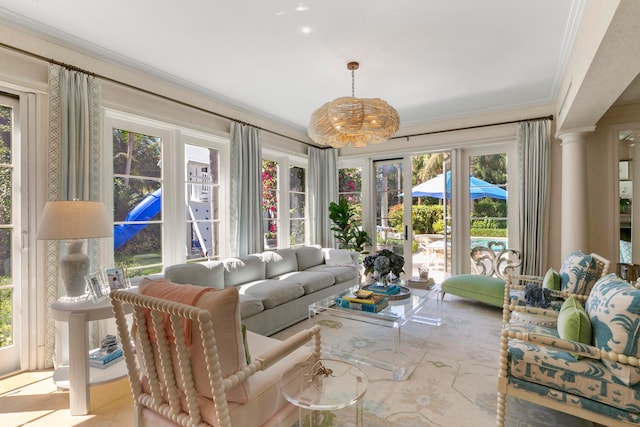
{"x": 324, "y": 385}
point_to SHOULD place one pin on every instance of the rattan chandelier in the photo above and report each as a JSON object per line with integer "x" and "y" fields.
{"x": 353, "y": 121}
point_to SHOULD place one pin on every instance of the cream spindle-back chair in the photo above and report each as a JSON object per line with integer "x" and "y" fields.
{"x": 162, "y": 375}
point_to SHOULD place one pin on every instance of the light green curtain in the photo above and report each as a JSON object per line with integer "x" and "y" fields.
{"x": 534, "y": 155}
{"x": 247, "y": 230}
{"x": 73, "y": 153}
{"x": 323, "y": 189}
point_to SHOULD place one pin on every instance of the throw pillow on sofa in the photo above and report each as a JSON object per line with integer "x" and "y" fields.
{"x": 614, "y": 310}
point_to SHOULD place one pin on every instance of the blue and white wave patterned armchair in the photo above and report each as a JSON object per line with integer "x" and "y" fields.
{"x": 587, "y": 366}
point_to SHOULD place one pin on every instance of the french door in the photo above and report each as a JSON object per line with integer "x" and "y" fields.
{"x": 13, "y": 307}
{"x": 433, "y": 208}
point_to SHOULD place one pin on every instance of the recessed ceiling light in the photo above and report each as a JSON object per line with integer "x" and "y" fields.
{"x": 301, "y": 7}
{"x": 306, "y": 30}
{"x": 280, "y": 13}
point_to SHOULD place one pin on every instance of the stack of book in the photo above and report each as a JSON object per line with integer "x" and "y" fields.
{"x": 100, "y": 358}
{"x": 371, "y": 303}
{"x": 384, "y": 290}
{"x": 418, "y": 283}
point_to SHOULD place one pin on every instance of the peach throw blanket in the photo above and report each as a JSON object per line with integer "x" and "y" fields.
{"x": 184, "y": 294}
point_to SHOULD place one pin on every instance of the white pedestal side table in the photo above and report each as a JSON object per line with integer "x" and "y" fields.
{"x": 78, "y": 376}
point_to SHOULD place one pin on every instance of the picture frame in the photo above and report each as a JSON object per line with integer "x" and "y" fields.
{"x": 623, "y": 170}
{"x": 98, "y": 288}
{"x": 116, "y": 277}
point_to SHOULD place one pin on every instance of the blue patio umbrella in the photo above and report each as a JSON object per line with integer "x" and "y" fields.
{"x": 478, "y": 188}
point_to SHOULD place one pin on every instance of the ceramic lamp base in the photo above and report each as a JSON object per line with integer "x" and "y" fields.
{"x": 73, "y": 268}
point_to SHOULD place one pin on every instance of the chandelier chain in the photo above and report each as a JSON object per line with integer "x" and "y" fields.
{"x": 353, "y": 83}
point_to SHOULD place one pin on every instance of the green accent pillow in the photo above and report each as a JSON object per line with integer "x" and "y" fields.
{"x": 574, "y": 323}
{"x": 247, "y": 355}
{"x": 551, "y": 280}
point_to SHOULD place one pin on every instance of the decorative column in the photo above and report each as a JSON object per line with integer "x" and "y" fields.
{"x": 634, "y": 175}
{"x": 574, "y": 222}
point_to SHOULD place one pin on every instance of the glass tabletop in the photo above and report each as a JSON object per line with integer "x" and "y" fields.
{"x": 397, "y": 310}
{"x": 325, "y": 384}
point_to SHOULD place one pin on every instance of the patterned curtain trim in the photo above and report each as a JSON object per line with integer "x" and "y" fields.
{"x": 56, "y": 187}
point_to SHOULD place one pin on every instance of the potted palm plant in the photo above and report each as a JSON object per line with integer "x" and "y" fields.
{"x": 346, "y": 227}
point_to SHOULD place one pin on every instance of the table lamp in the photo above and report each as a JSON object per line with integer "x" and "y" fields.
{"x": 74, "y": 221}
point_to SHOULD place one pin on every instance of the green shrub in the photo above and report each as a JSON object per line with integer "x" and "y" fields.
{"x": 423, "y": 218}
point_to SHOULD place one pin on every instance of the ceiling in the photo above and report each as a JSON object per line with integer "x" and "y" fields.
{"x": 430, "y": 59}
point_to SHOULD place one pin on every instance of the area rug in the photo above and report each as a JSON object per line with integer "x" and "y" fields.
{"x": 454, "y": 382}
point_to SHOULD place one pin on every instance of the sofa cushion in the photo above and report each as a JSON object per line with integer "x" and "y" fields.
{"x": 272, "y": 292}
{"x": 559, "y": 370}
{"x": 573, "y": 322}
{"x": 578, "y": 273}
{"x": 311, "y": 281}
{"x": 265, "y": 399}
{"x": 250, "y": 305}
{"x": 309, "y": 256}
{"x": 223, "y": 306}
{"x": 339, "y": 257}
{"x": 208, "y": 273}
{"x": 243, "y": 269}
{"x": 614, "y": 309}
{"x": 340, "y": 274}
{"x": 280, "y": 262}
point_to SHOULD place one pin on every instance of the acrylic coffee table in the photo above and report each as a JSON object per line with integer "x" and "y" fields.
{"x": 386, "y": 327}
{"x": 324, "y": 385}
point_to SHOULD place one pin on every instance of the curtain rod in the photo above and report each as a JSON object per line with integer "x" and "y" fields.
{"x": 550, "y": 117}
{"x": 222, "y": 116}
{"x": 148, "y": 92}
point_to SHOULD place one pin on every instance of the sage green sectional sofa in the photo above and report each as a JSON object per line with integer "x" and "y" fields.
{"x": 276, "y": 287}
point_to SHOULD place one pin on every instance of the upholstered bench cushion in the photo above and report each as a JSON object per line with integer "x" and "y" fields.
{"x": 487, "y": 289}
{"x": 560, "y": 370}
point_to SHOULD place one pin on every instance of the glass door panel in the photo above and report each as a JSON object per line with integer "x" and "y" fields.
{"x": 10, "y": 254}
{"x": 389, "y": 208}
{"x": 488, "y": 200}
{"x": 431, "y": 220}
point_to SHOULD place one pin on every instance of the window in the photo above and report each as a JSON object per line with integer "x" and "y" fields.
{"x": 202, "y": 202}
{"x": 350, "y": 187}
{"x": 137, "y": 201}
{"x": 284, "y": 217}
{"x": 270, "y": 203}
{"x": 297, "y": 205}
